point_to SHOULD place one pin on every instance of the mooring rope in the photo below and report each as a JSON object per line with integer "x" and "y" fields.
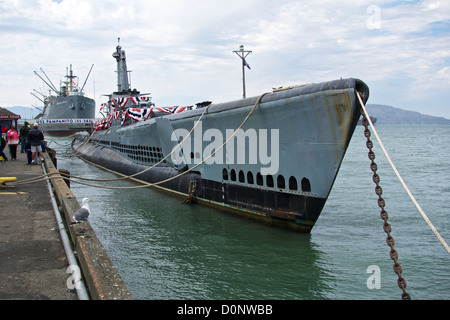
{"x": 146, "y": 184}
{"x": 67, "y": 177}
{"x": 425, "y": 217}
{"x": 149, "y": 168}
{"x": 44, "y": 176}
{"x": 89, "y": 138}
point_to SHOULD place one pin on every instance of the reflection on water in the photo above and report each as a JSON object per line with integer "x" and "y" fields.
{"x": 165, "y": 249}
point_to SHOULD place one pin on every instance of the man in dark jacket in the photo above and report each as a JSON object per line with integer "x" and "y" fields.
{"x": 35, "y": 137}
{"x": 23, "y": 136}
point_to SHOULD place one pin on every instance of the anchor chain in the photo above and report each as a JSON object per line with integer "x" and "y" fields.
{"x": 383, "y": 214}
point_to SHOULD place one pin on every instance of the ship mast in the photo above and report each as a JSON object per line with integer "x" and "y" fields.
{"x": 71, "y": 79}
{"x": 243, "y": 54}
{"x": 69, "y": 83}
{"x": 122, "y": 73}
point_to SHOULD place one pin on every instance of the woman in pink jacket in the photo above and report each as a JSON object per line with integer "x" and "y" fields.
{"x": 13, "y": 142}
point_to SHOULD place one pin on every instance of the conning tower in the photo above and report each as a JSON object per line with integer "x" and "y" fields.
{"x": 123, "y": 84}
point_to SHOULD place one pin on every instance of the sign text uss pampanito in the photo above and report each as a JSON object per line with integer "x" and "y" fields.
{"x": 46, "y": 121}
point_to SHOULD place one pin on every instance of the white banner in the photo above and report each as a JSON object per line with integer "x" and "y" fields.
{"x": 46, "y": 121}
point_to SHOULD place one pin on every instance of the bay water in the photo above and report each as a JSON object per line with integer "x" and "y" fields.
{"x": 167, "y": 250}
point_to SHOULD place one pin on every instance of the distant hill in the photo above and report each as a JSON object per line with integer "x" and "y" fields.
{"x": 387, "y": 115}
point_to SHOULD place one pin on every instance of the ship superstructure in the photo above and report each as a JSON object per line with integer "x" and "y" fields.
{"x": 66, "y": 110}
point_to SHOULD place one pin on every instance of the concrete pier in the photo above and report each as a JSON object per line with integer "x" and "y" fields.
{"x": 33, "y": 263}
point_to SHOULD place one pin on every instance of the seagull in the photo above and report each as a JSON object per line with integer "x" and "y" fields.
{"x": 82, "y": 214}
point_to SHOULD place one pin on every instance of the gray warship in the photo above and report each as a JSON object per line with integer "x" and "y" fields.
{"x": 271, "y": 158}
{"x": 67, "y": 110}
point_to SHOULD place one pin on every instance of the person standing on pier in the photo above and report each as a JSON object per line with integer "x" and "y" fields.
{"x": 23, "y": 136}
{"x": 13, "y": 142}
{"x": 35, "y": 137}
{"x": 3, "y": 143}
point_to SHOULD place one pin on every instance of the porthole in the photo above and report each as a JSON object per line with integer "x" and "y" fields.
{"x": 249, "y": 177}
{"x": 280, "y": 182}
{"x": 233, "y": 175}
{"x": 241, "y": 176}
{"x": 293, "y": 184}
{"x": 225, "y": 174}
{"x": 259, "y": 179}
{"x": 306, "y": 185}
{"x": 269, "y": 181}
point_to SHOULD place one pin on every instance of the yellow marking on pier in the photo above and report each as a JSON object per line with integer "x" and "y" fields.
{"x": 7, "y": 179}
{"x": 11, "y": 193}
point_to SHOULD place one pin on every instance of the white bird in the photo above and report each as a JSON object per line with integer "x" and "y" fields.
{"x": 82, "y": 214}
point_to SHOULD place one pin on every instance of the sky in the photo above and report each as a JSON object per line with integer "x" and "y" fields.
{"x": 181, "y": 51}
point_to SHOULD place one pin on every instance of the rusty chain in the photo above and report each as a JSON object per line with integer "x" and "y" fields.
{"x": 383, "y": 214}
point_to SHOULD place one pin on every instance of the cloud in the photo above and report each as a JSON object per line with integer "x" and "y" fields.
{"x": 181, "y": 50}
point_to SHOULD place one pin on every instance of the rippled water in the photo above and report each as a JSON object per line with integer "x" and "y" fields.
{"x": 165, "y": 249}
